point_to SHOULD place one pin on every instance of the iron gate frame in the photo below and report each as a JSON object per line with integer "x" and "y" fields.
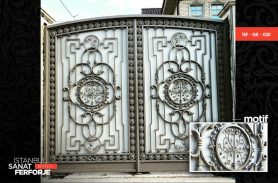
{"x": 134, "y": 24}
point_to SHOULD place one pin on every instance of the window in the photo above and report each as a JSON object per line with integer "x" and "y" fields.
{"x": 196, "y": 10}
{"x": 215, "y": 9}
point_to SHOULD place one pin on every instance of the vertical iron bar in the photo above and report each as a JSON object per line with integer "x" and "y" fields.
{"x": 136, "y": 98}
{"x": 210, "y": 83}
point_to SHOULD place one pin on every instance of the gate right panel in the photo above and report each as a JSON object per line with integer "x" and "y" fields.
{"x": 183, "y": 82}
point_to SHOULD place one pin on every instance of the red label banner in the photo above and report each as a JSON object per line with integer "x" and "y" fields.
{"x": 256, "y": 33}
{"x": 46, "y": 166}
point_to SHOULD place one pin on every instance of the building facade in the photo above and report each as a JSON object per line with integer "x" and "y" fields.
{"x": 194, "y": 8}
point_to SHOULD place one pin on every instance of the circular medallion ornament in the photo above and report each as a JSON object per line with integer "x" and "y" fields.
{"x": 233, "y": 148}
{"x": 91, "y": 42}
{"x": 92, "y": 145}
{"x": 180, "y": 91}
{"x": 181, "y": 145}
{"x": 92, "y": 92}
{"x": 179, "y": 40}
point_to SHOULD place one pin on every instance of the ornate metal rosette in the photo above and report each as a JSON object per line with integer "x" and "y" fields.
{"x": 91, "y": 42}
{"x": 181, "y": 144}
{"x": 179, "y": 40}
{"x": 180, "y": 91}
{"x": 92, "y": 145}
{"x": 92, "y": 92}
{"x": 233, "y": 148}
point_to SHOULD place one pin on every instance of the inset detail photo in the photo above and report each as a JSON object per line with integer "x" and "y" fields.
{"x": 227, "y": 146}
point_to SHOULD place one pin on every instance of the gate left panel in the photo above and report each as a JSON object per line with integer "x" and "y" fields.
{"x": 87, "y": 90}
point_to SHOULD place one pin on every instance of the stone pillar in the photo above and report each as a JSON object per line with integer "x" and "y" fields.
{"x": 228, "y": 13}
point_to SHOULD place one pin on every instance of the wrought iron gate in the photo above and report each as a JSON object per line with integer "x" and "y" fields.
{"x": 119, "y": 92}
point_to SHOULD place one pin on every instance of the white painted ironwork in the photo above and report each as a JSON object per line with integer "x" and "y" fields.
{"x": 92, "y": 93}
{"x": 123, "y": 90}
{"x": 180, "y": 85}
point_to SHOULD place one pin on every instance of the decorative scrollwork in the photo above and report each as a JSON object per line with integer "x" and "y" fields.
{"x": 180, "y": 91}
{"x": 179, "y": 66}
{"x": 91, "y": 94}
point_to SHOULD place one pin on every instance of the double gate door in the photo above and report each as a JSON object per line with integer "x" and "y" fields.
{"x": 119, "y": 93}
